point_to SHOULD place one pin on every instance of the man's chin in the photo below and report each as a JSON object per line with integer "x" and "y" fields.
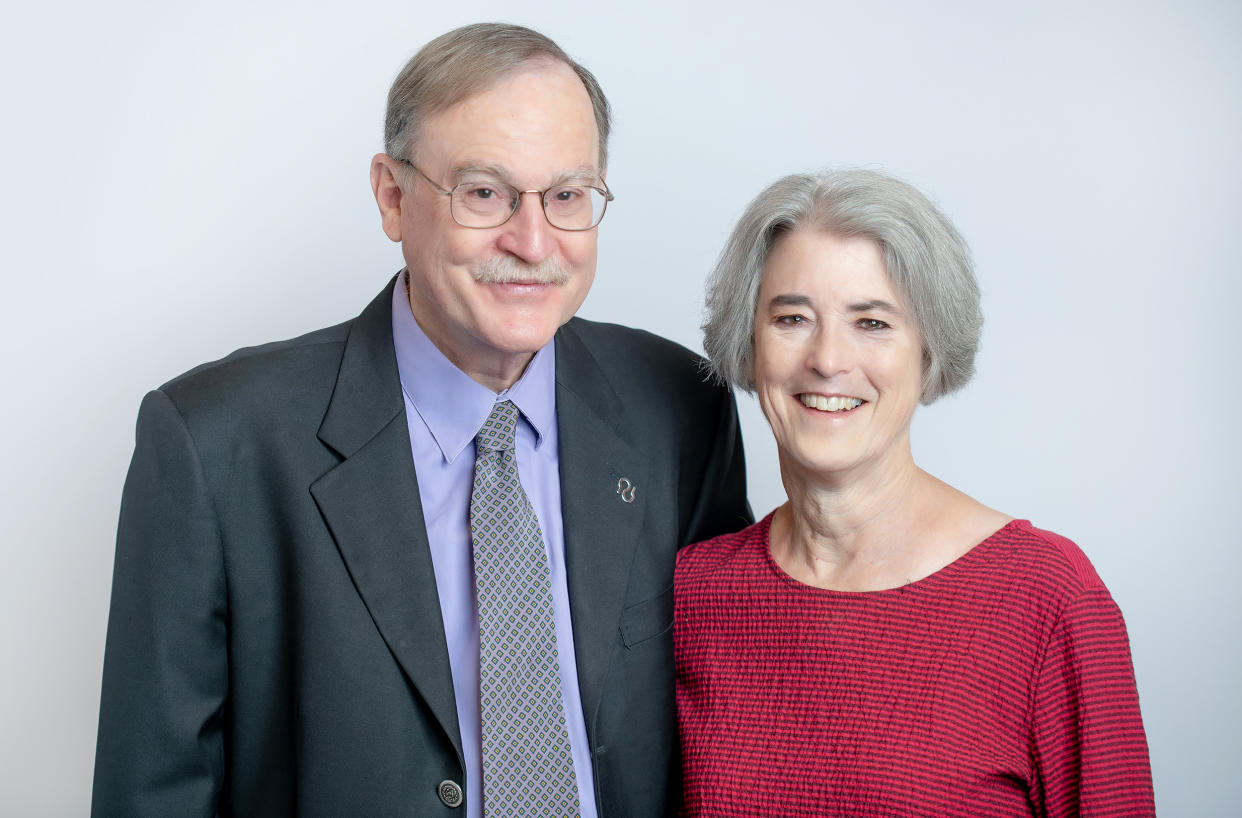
{"x": 524, "y": 342}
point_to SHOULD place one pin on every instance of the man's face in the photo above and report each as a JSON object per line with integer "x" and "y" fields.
{"x": 533, "y": 130}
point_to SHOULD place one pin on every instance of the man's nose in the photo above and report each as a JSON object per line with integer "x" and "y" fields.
{"x": 527, "y": 234}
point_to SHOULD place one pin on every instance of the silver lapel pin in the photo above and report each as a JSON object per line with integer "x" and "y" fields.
{"x": 626, "y": 489}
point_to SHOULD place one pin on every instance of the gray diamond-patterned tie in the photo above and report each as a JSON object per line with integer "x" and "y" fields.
{"x": 527, "y": 766}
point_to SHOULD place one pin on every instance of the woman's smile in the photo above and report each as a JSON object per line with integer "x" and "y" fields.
{"x": 836, "y": 404}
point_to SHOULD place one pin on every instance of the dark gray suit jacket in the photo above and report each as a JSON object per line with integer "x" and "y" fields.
{"x": 275, "y": 645}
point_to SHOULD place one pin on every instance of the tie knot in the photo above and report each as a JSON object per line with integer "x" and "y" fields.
{"x": 498, "y": 430}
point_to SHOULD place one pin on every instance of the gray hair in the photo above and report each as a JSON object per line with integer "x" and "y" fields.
{"x": 925, "y": 257}
{"x": 467, "y": 61}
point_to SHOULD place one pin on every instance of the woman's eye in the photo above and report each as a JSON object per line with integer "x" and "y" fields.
{"x": 790, "y": 320}
{"x": 872, "y": 323}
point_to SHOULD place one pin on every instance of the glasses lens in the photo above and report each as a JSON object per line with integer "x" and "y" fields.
{"x": 482, "y": 204}
{"x": 489, "y": 203}
{"x": 574, "y": 207}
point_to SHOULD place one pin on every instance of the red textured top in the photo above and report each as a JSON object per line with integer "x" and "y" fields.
{"x": 1000, "y": 685}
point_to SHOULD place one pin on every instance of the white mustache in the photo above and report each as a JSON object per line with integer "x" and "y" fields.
{"x": 507, "y": 270}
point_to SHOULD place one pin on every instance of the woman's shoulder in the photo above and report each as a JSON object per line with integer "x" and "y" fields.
{"x": 1041, "y": 557}
{"x": 710, "y": 555}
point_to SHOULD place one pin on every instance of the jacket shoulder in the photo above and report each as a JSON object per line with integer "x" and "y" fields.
{"x": 280, "y": 370}
{"x": 635, "y": 356}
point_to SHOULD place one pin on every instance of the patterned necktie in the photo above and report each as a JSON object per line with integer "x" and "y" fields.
{"x": 527, "y": 766}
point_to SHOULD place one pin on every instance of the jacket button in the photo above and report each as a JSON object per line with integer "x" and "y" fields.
{"x": 450, "y": 793}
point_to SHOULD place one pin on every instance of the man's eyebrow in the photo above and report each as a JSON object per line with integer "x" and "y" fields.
{"x": 582, "y": 175}
{"x": 483, "y": 169}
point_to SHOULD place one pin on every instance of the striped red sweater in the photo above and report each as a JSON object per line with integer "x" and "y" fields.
{"x": 1000, "y": 685}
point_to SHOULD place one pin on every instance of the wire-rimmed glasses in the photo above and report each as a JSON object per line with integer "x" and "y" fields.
{"x": 483, "y": 201}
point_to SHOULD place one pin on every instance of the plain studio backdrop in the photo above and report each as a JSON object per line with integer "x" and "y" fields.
{"x": 183, "y": 180}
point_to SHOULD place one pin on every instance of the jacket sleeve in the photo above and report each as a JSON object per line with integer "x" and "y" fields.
{"x": 1087, "y": 741}
{"x": 165, "y": 679}
{"x": 720, "y": 505}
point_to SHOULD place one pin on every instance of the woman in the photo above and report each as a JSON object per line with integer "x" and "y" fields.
{"x": 883, "y": 644}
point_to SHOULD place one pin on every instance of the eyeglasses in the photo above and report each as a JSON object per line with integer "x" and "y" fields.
{"x": 483, "y": 202}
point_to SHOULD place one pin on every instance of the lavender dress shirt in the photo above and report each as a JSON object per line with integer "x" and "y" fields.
{"x": 445, "y": 408}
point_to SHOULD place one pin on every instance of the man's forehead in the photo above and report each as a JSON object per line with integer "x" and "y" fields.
{"x": 536, "y": 118}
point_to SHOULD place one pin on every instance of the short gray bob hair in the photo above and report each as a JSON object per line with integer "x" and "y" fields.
{"x": 926, "y": 259}
{"x": 468, "y": 61}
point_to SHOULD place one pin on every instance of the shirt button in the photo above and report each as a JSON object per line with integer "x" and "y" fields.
{"x": 450, "y": 793}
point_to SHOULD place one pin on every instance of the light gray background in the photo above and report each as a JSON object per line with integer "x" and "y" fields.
{"x": 183, "y": 180}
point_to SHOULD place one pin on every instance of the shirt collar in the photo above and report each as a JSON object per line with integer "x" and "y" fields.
{"x": 450, "y": 402}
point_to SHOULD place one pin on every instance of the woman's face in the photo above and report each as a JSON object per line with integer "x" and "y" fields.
{"x": 838, "y": 359}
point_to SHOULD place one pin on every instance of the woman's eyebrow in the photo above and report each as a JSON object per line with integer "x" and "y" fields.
{"x": 874, "y": 304}
{"x": 789, "y": 300}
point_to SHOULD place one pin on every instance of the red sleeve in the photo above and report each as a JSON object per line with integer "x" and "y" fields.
{"x": 1088, "y": 746}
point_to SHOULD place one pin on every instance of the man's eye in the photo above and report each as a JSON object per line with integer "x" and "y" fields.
{"x": 565, "y": 199}
{"x": 483, "y": 190}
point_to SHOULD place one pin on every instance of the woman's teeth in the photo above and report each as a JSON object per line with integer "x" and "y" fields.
{"x": 823, "y": 403}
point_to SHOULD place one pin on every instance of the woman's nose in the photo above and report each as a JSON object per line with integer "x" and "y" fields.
{"x": 830, "y": 351}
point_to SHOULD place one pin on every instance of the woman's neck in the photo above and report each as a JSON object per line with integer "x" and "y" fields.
{"x": 873, "y": 528}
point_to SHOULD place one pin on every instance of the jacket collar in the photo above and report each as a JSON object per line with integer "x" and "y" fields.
{"x": 371, "y": 505}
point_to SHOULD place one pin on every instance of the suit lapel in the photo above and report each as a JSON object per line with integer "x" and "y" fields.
{"x": 371, "y": 505}
{"x": 601, "y": 529}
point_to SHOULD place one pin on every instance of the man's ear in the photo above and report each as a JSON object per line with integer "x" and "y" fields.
{"x": 387, "y": 194}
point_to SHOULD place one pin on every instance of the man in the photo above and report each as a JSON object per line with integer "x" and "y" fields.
{"x": 420, "y": 563}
